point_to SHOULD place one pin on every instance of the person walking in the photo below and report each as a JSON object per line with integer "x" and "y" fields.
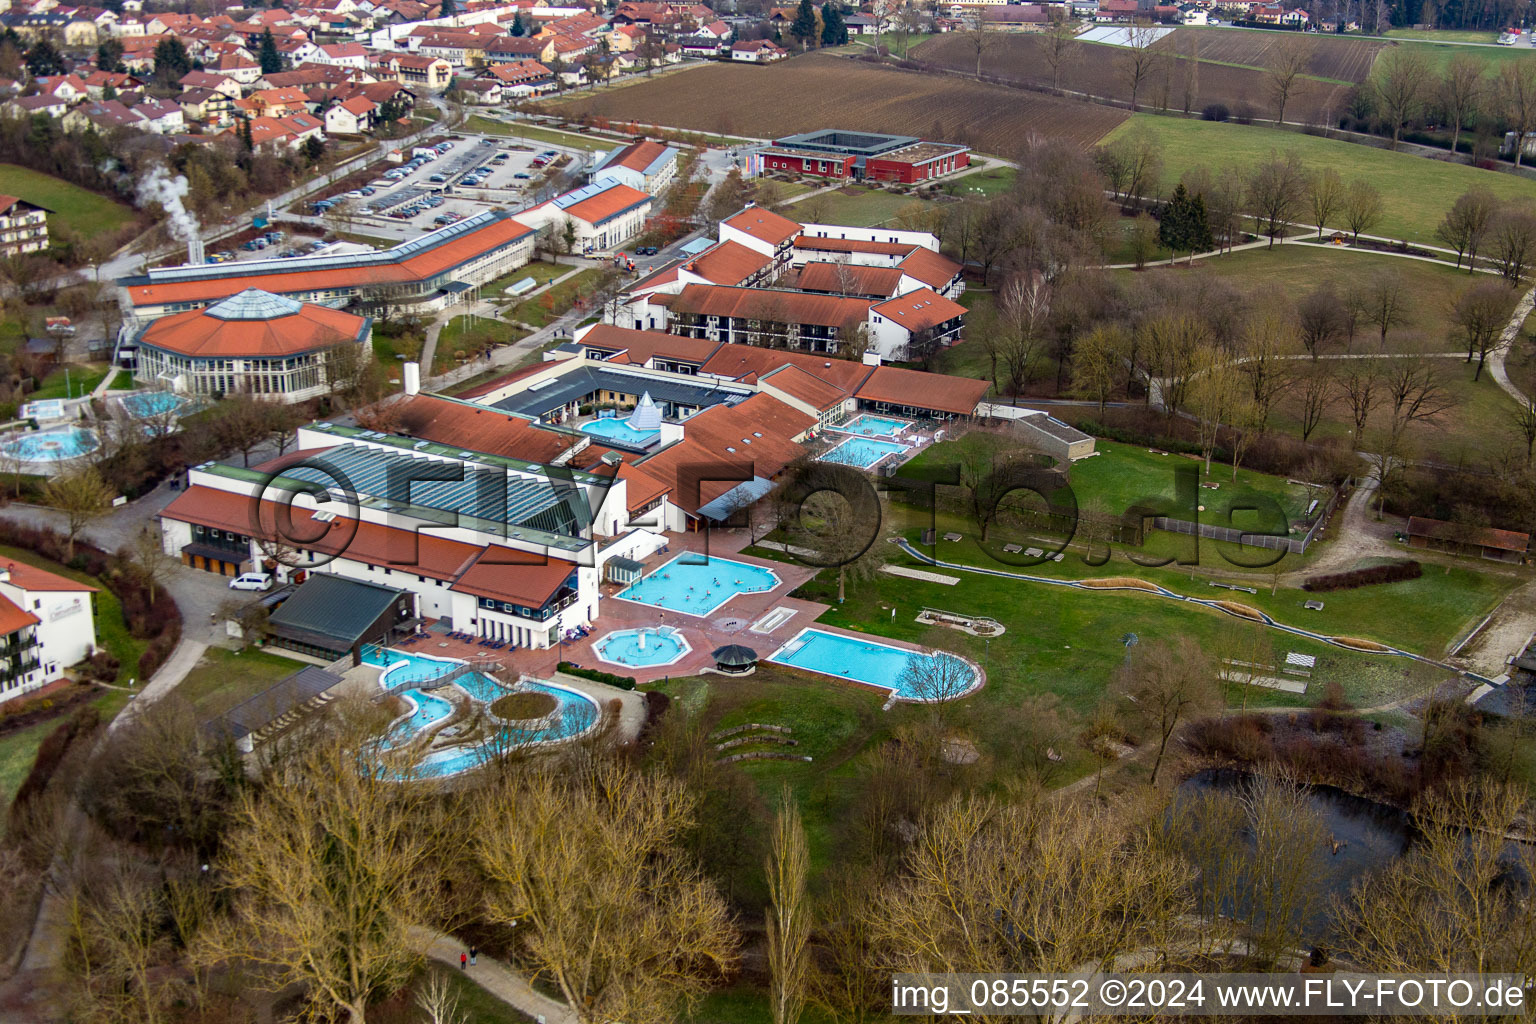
{"x": 463, "y": 961}
{"x": 473, "y": 952}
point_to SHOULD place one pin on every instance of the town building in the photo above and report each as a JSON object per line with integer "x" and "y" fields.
{"x": 46, "y": 625}
{"x": 23, "y": 226}
{"x": 860, "y": 156}
{"x": 644, "y": 165}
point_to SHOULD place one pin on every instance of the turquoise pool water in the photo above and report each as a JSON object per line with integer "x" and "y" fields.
{"x": 152, "y": 403}
{"x": 863, "y": 661}
{"x": 52, "y": 445}
{"x": 620, "y": 430}
{"x": 695, "y": 586}
{"x": 871, "y": 425}
{"x": 642, "y": 647}
{"x": 863, "y": 452}
{"x": 44, "y": 409}
{"x": 574, "y": 712}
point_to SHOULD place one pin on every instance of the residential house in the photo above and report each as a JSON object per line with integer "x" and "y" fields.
{"x": 598, "y": 217}
{"x": 757, "y": 51}
{"x": 351, "y": 117}
{"x": 514, "y": 49}
{"x": 644, "y": 165}
{"x": 413, "y": 69}
{"x": 206, "y": 107}
{"x": 46, "y": 625}
{"x": 242, "y": 69}
{"x": 278, "y": 102}
{"x": 69, "y": 88}
{"x": 208, "y": 80}
{"x": 98, "y": 82}
{"x": 34, "y": 106}
{"x": 286, "y": 132}
{"x": 346, "y": 55}
{"x": 102, "y": 115}
{"x": 23, "y": 226}
{"x": 481, "y": 92}
{"x": 163, "y": 117}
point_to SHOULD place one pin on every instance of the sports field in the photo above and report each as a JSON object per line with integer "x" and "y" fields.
{"x": 1416, "y": 192}
{"x": 69, "y": 206}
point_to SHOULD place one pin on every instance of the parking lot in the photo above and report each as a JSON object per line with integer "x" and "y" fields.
{"x": 436, "y": 186}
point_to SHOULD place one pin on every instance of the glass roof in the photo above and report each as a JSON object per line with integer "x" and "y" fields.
{"x": 253, "y": 304}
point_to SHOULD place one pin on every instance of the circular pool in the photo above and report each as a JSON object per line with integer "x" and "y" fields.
{"x": 153, "y": 403}
{"x": 51, "y": 445}
{"x": 642, "y": 648}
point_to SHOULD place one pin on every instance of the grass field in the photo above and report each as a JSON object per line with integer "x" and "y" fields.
{"x": 69, "y": 206}
{"x": 989, "y": 182}
{"x": 859, "y": 96}
{"x": 530, "y": 133}
{"x": 1416, "y": 192}
{"x": 1492, "y": 57}
{"x": 223, "y": 678}
{"x": 548, "y": 307}
{"x": 1442, "y": 35}
{"x": 465, "y": 337}
{"x": 868, "y": 207}
{"x": 71, "y": 381}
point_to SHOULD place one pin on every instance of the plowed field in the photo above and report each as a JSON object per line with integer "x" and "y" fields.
{"x": 826, "y": 91}
{"x": 1337, "y": 57}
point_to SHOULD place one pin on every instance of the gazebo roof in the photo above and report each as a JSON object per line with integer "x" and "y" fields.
{"x": 735, "y": 655}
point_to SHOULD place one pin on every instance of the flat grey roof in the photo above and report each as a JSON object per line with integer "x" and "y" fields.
{"x": 335, "y": 608}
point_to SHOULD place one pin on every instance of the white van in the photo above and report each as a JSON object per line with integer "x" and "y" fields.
{"x": 251, "y": 581}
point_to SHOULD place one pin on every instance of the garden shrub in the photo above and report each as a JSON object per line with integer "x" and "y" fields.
{"x": 597, "y": 676}
{"x": 1392, "y": 572}
{"x": 1216, "y": 112}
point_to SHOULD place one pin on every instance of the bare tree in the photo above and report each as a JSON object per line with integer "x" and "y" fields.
{"x": 1097, "y": 363}
{"x": 1316, "y": 394}
{"x": 1267, "y": 346}
{"x": 1059, "y": 45}
{"x": 1388, "y": 303}
{"x": 1525, "y": 423}
{"x": 1213, "y": 393}
{"x": 936, "y": 678}
{"x": 1516, "y": 86}
{"x": 565, "y": 888}
{"x": 83, "y": 496}
{"x": 1277, "y": 188}
{"x": 1513, "y": 241}
{"x": 978, "y": 34}
{"x": 1361, "y": 387}
{"x": 1480, "y": 313}
{"x": 1362, "y": 207}
{"x": 1023, "y": 309}
{"x": 1326, "y": 193}
{"x": 146, "y": 553}
{"x": 1284, "y": 877}
{"x": 1398, "y": 83}
{"x": 1138, "y": 61}
{"x": 788, "y": 918}
{"x": 1288, "y": 60}
{"x": 1320, "y": 319}
{"x": 1166, "y": 681}
{"x": 1467, "y": 223}
{"x": 1461, "y": 93}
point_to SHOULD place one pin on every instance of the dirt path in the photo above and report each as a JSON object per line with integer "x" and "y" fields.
{"x": 1509, "y": 627}
{"x": 1356, "y": 535}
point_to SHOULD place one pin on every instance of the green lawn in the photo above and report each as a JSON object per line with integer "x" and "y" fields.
{"x": 990, "y": 182}
{"x": 464, "y": 338}
{"x": 539, "y": 270}
{"x": 122, "y": 382}
{"x": 1416, "y": 192}
{"x": 871, "y": 207}
{"x": 69, "y": 206}
{"x": 530, "y": 133}
{"x": 550, "y": 306}
{"x": 71, "y": 381}
{"x": 223, "y": 678}
{"x": 1442, "y": 35}
{"x": 1440, "y": 53}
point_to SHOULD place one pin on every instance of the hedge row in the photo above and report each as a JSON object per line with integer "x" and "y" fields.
{"x": 1392, "y": 572}
{"x": 622, "y": 682}
{"x": 156, "y": 618}
{"x": 1148, "y": 440}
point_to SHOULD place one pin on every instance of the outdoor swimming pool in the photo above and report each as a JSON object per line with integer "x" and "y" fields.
{"x": 620, "y": 430}
{"x": 642, "y": 647}
{"x": 863, "y": 452}
{"x": 52, "y": 445}
{"x": 861, "y": 660}
{"x": 573, "y": 715}
{"x": 871, "y": 425}
{"x": 695, "y": 586}
{"x": 44, "y": 409}
{"x": 153, "y": 403}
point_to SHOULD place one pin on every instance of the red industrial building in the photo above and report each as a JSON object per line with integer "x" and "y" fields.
{"x": 861, "y": 156}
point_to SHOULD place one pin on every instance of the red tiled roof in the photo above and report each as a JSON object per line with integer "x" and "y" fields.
{"x": 920, "y": 310}
{"x": 641, "y": 488}
{"x": 639, "y": 347}
{"x": 797, "y": 383}
{"x": 13, "y": 618}
{"x": 936, "y": 391}
{"x": 609, "y": 203}
{"x": 933, "y": 269}
{"x": 637, "y": 156}
{"x": 764, "y": 225}
{"x": 815, "y": 243}
{"x": 728, "y": 263}
{"x": 738, "y": 362}
{"x": 500, "y": 382}
{"x": 418, "y": 267}
{"x": 848, "y": 279}
{"x": 770, "y": 304}
{"x": 709, "y": 438}
{"x": 521, "y": 577}
{"x": 30, "y": 577}
{"x": 478, "y": 427}
{"x": 197, "y": 334}
{"x": 1437, "y": 529}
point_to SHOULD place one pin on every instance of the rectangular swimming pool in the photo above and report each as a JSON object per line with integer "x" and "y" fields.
{"x": 621, "y": 431}
{"x": 694, "y": 585}
{"x": 863, "y": 452}
{"x": 869, "y": 662}
{"x": 871, "y": 425}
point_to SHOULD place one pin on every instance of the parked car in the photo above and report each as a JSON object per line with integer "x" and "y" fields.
{"x": 523, "y": 175}
{"x": 438, "y": 179}
{"x": 251, "y": 581}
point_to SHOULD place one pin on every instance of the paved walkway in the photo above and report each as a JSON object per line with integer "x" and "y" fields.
{"x": 485, "y": 308}
{"x": 496, "y": 978}
{"x": 1496, "y": 358}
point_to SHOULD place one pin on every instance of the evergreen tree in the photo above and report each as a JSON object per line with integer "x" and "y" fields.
{"x": 448, "y": 10}
{"x": 517, "y": 24}
{"x": 43, "y": 59}
{"x": 834, "y": 31}
{"x": 109, "y": 56}
{"x": 271, "y": 60}
{"x": 171, "y": 60}
{"x": 803, "y": 27}
{"x": 1184, "y": 226}
{"x": 245, "y": 134}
